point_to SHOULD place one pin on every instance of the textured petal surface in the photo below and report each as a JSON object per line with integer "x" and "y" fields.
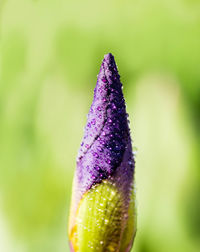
{"x": 103, "y": 182}
{"x": 98, "y": 221}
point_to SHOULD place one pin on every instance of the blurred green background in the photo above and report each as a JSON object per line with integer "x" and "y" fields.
{"x": 51, "y": 51}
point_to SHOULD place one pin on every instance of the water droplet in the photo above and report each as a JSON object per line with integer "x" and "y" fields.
{"x": 97, "y": 168}
{"x": 117, "y": 148}
{"x": 93, "y": 122}
{"x": 102, "y": 142}
{"x": 113, "y": 193}
{"x": 95, "y": 155}
{"x": 99, "y": 148}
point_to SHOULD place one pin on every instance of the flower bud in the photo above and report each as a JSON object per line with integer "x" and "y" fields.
{"x": 103, "y": 214}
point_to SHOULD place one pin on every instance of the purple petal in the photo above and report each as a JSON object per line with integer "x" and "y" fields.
{"x": 106, "y": 143}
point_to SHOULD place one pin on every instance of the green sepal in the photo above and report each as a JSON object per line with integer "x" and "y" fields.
{"x": 99, "y": 220}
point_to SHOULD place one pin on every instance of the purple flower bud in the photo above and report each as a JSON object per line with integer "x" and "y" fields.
{"x": 105, "y": 159}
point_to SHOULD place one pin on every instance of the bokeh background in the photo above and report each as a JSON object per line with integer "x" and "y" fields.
{"x": 51, "y": 51}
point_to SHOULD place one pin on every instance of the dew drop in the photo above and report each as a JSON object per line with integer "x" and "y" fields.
{"x": 99, "y": 149}
{"x": 113, "y": 106}
{"x": 95, "y": 155}
{"x": 97, "y": 168}
{"x": 102, "y": 142}
{"x": 93, "y": 122}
